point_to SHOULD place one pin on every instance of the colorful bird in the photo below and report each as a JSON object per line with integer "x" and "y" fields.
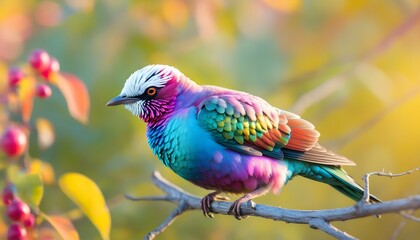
{"x": 229, "y": 141}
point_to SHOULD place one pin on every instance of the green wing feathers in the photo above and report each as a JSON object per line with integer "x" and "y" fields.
{"x": 338, "y": 178}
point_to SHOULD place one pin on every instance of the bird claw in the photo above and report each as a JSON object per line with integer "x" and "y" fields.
{"x": 207, "y": 200}
{"x": 235, "y": 208}
{"x": 205, "y": 206}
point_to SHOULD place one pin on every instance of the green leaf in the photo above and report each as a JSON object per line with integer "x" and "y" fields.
{"x": 87, "y": 195}
{"x": 63, "y": 226}
{"x": 30, "y": 188}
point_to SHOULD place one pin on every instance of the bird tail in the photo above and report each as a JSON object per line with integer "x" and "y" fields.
{"x": 338, "y": 178}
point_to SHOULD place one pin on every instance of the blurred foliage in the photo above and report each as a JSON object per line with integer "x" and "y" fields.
{"x": 350, "y": 67}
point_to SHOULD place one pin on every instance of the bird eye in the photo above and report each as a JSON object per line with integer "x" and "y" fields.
{"x": 151, "y": 91}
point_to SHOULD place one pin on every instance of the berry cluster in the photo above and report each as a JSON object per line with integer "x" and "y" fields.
{"x": 24, "y": 177}
{"x": 44, "y": 65}
{"x": 19, "y": 213}
{"x": 41, "y": 70}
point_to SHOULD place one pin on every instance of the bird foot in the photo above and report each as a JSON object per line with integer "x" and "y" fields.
{"x": 235, "y": 208}
{"x": 208, "y": 199}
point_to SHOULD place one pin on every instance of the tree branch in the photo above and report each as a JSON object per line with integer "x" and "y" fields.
{"x": 318, "y": 223}
{"x": 182, "y": 207}
{"x": 330, "y": 86}
{"x": 318, "y": 219}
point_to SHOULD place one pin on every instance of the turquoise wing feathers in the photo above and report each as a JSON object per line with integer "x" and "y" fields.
{"x": 249, "y": 125}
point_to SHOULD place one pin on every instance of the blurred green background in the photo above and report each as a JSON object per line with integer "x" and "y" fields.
{"x": 350, "y": 67}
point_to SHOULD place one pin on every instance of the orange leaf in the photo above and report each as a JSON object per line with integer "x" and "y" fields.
{"x": 76, "y": 95}
{"x": 26, "y": 93}
{"x": 63, "y": 226}
{"x": 46, "y": 233}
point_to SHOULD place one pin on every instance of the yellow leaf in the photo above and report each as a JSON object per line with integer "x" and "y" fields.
{"x": 63, "y": 226}
{"x": 45, "y": 133}
{"x": 76, "y": 95}
{"x": 87, "y": 195}
{"x": 44, "y": 169}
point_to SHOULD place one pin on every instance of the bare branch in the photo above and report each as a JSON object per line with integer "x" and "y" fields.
{"x": 398, "y": 230}
{"x": 410, "y": 217}
{"x": 336, "y": 82}
{"x": 182, "y": 207}
{"x": 321, "y": 224}
{"x": 319, "y": 219}
{"x": 383, "y": 174}
{"x": 372, "y": 121}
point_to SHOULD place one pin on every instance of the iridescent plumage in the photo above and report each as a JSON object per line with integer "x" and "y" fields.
{"x": 226, "y": 140}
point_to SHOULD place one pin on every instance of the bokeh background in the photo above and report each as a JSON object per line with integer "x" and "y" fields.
{"x": 350, "y": 67}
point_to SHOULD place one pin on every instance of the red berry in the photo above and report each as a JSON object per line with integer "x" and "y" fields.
{"x": 13, "y": 141}
{"x": 53, "y": 67}
{"x": 43, "y": 91}
{"x": 39, "y": 59}
{"x": 16, "y": 232}
{"x": 29, "y": 222}
{"x": 15, "y": 75}
{"x": 8, "y": 194}
{"x": 18, "y": 210}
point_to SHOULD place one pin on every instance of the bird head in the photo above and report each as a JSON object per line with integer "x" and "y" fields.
{"x": 151, "y": 92}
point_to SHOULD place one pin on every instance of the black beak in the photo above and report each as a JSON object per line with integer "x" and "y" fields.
{"x": 118, "y": 100}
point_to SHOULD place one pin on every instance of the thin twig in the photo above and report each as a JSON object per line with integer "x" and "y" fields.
{"x": 334, "y": 83}
{"x": 182, "y": 207}
{"x": 374, "y": 119}
{"x": 366, "y": 194}
{"x": 398, "y": 230}
{"x": 410, "y": 217}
